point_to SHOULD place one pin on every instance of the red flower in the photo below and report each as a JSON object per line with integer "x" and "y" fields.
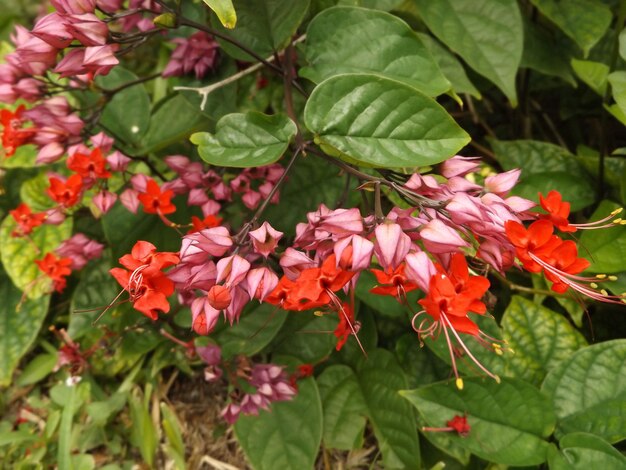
{"x": 156, "y": 202}
{"x": 26, "y": 220}
{"x": 538, "y": 240}
{"x": 392, "y": 283}
{"x": 457, "y": 424}
{"x": 56, "y": 269}
{"x": 451, "y": 296}
{"x": 315, "y": 286}
{"x": 280, "y": 295}
{"x": 305, "y": 370}
{"x": 147, "y": 285}
{"x": 66, "y": 193}
{"x": 460, "y": 425}
{"x": 565, "y": 259}
{"x": 92, "y": 166}
{"x": 13, "y": 136}
{"x": 209, "y": 221}
{"x": 557, "y": 211}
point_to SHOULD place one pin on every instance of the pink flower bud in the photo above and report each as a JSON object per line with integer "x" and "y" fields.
{"x": 74, "y": 6}
{"x": 265, "y": 239}
{"x": 419, "y": 269}
{"x": 459, "y": 166}
{"x": 88, "y": 29}
{"x": 232, "y": 270}
{"x": 502, "y": 183}
{"x": 100, "y": 59}
{"x": 118, "y": 161}
{"x": 439, "y": 238}
{"x": 80, "y": 250}
{"x": 251, "y": 199}
{"x": 102, "y": 141}
{"x": 104, "y": 200}
{"x": 51, "y": 29}
{"x": 50, "y": 153}
{"x": 392, "y": 245}
{"x": 129, "y": 200}
{"x": 260, "y": 282}
{"x": 354, "y": 253}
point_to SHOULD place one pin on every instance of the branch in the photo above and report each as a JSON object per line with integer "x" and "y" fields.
{"x": 206, "y": 90}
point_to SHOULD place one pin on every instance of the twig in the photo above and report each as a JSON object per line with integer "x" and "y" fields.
{"x": 206, "y": 90}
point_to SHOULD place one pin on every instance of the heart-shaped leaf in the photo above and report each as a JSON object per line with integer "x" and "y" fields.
{"x": 225, "y": 11}
{"x": 509, "y": 422}
{"x": 487, "y": 34}
{"x": 287, "y": 436}
{"x": 608, "y": 247}
{"x": 264, "y": 26}
{"x": 540, "y": 338}
{"x": 18, "y": 254}
{"x": 358, "y": 40}
{"x": 18, "y": 326}
{"x": 588, "y": 391}
{"x": 344, "y": 408}
{"x": 256, "y": 328}
{"x": 246, "y": 140}
{"x": 380, "y": 378}
{"x": 585, "y": 21}
{"x": 582, "y": 451}
{"x": 375, "y": 121}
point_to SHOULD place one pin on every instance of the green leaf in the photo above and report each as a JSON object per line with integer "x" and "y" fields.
{"x": 544, "y": 54}
{"x": 127, "y": 115}
{"x": 374, "y": 121}
{"x": 622, "y": 44}
{"x": 143, "y": 433}
{"x": 174, "y": 121}
{"x": 582, "y": 451}
{"x": 593, "y": 74}
{"x": 33, "y": 192}
{"x": 588, "y": 391}
{"x": 344, "y": 408}
{"x": 335, "y": 45}
{"x": 225, "y": 11}
{"x": 585, "y": 21}
{"x": 18, "y": 327}
{"x": 539, "y": 337}
{"x": 380, "y": 378}
{"x": 450, "y": 66}
{"x": 37, "y": 369}
{"x": 24, "y": 157}
{"x": 96, "y": 289}
{"x": 172, "y": 428}
{"x": 607, "y": 247}
{"x": 306, "y": 336}
{"x": 246, "y": 140}
{"x": 288, "y": 435}
{"x": 264, "y": 26}
{"x": 618, "y": 88}
{"x": 545, "y": 167}
{"x": 101, "y": 411}
{"x": 509, "y": 421}
{"x": 255, "y": 330}
{"x": 65, "y": 430}
{"x": 18, "y": 254}
{"x": 487, "y": 34}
